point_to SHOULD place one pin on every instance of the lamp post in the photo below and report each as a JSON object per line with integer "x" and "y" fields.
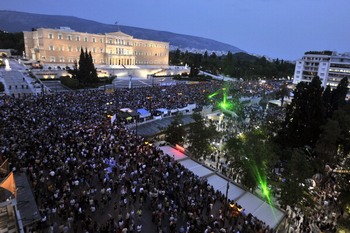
{"x": 149, "y": 98}
{"x": 227, "y": 187}
{"x": 136, "y": 125}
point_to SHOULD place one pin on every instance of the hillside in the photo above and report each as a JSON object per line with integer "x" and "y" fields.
{"x": 13, "y": 21}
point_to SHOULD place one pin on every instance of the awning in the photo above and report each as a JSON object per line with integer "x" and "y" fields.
{"x": 162, "y": 110}
{"x": 143, "y": 113}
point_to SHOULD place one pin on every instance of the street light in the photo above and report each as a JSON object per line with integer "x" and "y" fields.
{"x": 227, "y": 187}
{"x": 149, "y": 98}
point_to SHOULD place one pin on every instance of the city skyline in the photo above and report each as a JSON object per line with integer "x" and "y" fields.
{"x": 276, "y": 29}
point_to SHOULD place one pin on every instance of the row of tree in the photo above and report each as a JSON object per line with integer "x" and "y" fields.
{"x": 14, "y": 41}
{"x": 197, "y": 135}
{"x": 314, "y": 134}
{"x": 238, "y": 65}
{"x": 84, "y": 71}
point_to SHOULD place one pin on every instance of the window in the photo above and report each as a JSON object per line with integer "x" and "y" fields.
{"x": 110, "y": 41}
{"x": 52, "y": 59}
{"x": 69, "y": 37}
{"x": 51, "y": 48}
{"x": 101, "y": 60}
{"x": 69, "y": 48}
{"x": 78, "y": 49}
{"x": 61, "y": 59}
{"x": 70, "y": 60}
{"x": 101, "y": 40}
{"x": 101, "y": 50}
{"x": 93, "y": 50}
{"x": 50, "y": 36}
{"x": 85, "y": 39}
{"x": 61, "y": 48}
{"x": 60, "y": 36}
{"x": 94, "y": 39}
{"x": 78, "y": 38}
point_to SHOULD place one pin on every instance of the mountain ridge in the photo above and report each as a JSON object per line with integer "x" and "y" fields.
{"x": 15, "y": 21}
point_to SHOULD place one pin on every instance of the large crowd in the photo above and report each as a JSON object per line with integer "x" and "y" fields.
{"x": 90, "y": 176}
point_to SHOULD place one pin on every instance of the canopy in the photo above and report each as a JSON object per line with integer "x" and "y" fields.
{"x": 250, "y": 202}
{"x": 164, "y": 111}
{"x": 143, "y": 113}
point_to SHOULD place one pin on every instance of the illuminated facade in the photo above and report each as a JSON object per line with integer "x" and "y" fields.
{"x": 63, "y": 46}
{"x": 329, "y": 66}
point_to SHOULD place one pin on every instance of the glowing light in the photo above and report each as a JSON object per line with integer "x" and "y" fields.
{"x": 212, "y": 95}
{"x": 263, "y": 185}
{"x": 180, "y": 148}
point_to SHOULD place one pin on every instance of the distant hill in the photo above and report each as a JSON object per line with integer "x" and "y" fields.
{"x": 13, "y": 21}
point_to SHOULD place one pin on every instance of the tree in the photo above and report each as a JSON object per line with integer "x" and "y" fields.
{"x": 175, "y": 132}
{"x": 327, "y": 145}
{"x": 92, "y": 70}
{"x": 327, "y": 102}
{"x": 304, "y": 116}
{"x": 200, "y": 136}
{"x": 339, "y": 94}
{"x": 252, "y": 155}
{"x": 342, "y": 116}
{"x": 175, "y": 57}
{"x": 282, "y": 92}
{"x": 86, "y": 73}
{"x": 295, "y": 174}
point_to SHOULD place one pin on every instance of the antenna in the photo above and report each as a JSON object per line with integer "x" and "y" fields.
{"x": 116, "y": 23}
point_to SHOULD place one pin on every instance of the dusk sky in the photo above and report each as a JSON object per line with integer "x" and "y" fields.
{"x": 282, "y": 29}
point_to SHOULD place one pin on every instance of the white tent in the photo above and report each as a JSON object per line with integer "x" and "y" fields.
{"x": 251, "y": 203}
{"x": 143, "y": 113}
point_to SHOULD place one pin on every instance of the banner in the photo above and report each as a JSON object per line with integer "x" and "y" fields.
{"x": 4, "y": 168}
{"x": 9, "y": 184}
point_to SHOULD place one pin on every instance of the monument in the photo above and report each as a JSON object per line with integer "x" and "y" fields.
{"x": 7, "y": 65}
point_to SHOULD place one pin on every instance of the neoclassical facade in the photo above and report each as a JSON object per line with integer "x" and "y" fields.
{"x": 63, "y": 46}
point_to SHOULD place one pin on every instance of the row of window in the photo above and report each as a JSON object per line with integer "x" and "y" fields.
{"x": 339, "y": 70}
{"x": 110, "y": 41}
{"x": 71, "y": 60}
{"x": 77, "y": 38}
{"x": 119, "y": 51}
{"x": 71, "y": 49}
{"x": 315, "y": 58}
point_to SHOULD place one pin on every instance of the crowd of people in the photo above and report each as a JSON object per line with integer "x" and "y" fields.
{"x": 90, "y": 176}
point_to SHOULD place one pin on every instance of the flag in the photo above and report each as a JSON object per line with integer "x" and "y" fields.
{"x": 4, "y": 168}
{"x": 9, "y": 184}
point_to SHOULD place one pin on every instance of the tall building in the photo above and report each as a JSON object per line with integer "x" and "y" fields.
{"x": 63, "y": 46}
{"x": 329, "y": 66}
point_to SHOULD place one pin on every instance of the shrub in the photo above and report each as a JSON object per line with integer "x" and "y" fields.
{"x": 70, "y": 82}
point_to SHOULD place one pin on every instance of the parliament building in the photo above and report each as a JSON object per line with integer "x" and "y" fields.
{"x": 63, "y": 47}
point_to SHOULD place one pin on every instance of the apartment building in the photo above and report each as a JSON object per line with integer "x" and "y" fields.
{"x": 329, "y": 66}
{"x": 63, "y": 46}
